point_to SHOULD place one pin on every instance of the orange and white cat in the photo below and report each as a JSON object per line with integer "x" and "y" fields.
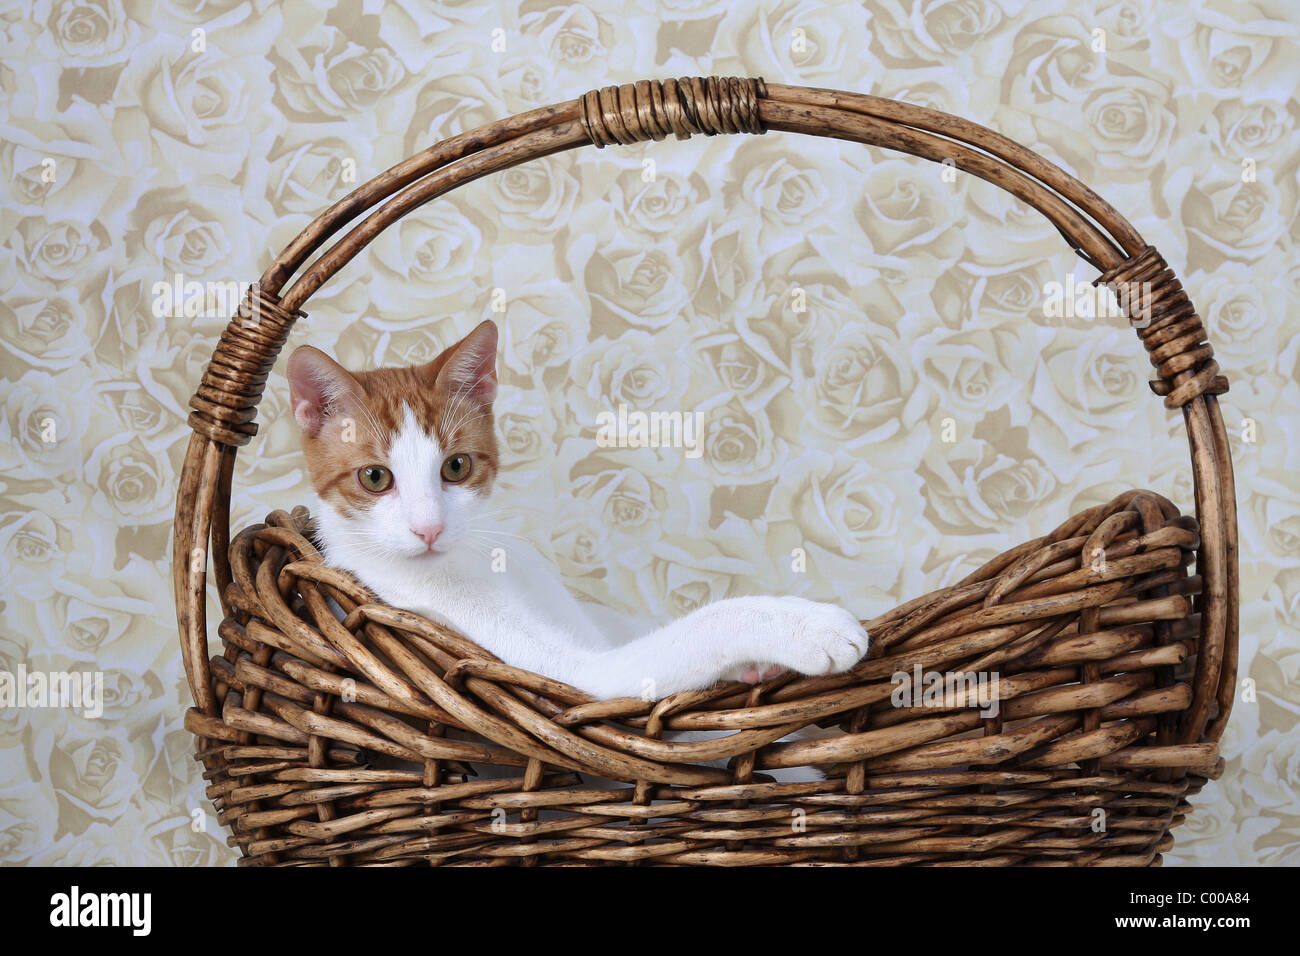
{"x": 403, "y": 462}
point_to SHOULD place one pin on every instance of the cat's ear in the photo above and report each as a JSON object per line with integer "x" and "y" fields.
{"x": 471, "y": 368}
{"x": 318, "y": 388}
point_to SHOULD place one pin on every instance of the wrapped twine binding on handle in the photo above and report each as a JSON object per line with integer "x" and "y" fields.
{"x": 646, "y": 110}
{"x": 1112, "y": 639}
{"x": 1171, "y": 331}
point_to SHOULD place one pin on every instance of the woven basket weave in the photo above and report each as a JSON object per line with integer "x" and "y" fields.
{"x": 327, "y": 741}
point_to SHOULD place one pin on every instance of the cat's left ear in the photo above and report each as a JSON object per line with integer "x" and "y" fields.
{"x": 471, "y": 369}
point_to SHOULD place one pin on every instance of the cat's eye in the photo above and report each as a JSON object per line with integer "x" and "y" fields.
{"x": 456, "y": 468}
{"x": 375, "y": 478}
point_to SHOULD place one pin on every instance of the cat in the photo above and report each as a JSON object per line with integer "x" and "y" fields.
{"x": 403, "y": 461}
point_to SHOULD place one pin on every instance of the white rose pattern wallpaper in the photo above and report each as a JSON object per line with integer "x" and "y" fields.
{"x": 156, "y": 152}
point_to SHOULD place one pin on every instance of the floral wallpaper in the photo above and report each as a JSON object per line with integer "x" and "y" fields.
{"x": 921, "y": 410}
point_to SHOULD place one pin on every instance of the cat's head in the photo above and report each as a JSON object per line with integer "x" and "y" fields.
{"x": 405, "y": 457}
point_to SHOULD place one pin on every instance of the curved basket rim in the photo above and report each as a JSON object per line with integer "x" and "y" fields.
{"x": 225, "y": 406}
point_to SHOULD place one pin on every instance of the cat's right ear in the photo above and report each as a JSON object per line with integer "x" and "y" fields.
{"x": 318, "y": 387}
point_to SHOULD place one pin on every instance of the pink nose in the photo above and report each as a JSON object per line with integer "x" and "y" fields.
{"x": 428, "y": 532}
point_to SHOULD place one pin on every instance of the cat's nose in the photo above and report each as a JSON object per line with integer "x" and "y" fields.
{"x": 427, "y": 532}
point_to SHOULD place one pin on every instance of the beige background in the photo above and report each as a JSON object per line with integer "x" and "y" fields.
{"x": 925, "y": 302}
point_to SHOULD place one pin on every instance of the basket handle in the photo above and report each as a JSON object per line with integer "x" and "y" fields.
{"x": 225, "y": 402}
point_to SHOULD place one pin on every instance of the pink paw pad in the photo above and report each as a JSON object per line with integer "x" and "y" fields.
{"x": 752, "y": 676}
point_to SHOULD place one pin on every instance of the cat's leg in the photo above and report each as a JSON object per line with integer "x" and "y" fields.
{"x": 729, "y": 639}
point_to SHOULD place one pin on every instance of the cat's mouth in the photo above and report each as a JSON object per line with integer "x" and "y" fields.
{"x": 427, "y": 553}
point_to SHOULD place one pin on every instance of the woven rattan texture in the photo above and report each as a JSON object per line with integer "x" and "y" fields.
{"x": 385, "y": 738}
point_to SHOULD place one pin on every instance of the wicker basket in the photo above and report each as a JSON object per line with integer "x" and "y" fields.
{"x": 332, "y": 742}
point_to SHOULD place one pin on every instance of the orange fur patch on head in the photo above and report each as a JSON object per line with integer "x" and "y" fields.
{"x": 449, "y": 396}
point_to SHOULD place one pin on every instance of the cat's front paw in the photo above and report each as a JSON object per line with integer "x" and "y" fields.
{"x": 753, "y": 673}
{"x": 806, "y": 637}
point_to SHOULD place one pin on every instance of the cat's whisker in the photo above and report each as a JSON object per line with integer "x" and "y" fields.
{"x": 464, "y": 422}
{"x": 507, "y": 533}
{"x": 377, "y": 430}
{"x": 460, "y": 397}
{"x": 368, "y": 418}
{"x": 455, "y": 429}
{"x": 456, "y": 400}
